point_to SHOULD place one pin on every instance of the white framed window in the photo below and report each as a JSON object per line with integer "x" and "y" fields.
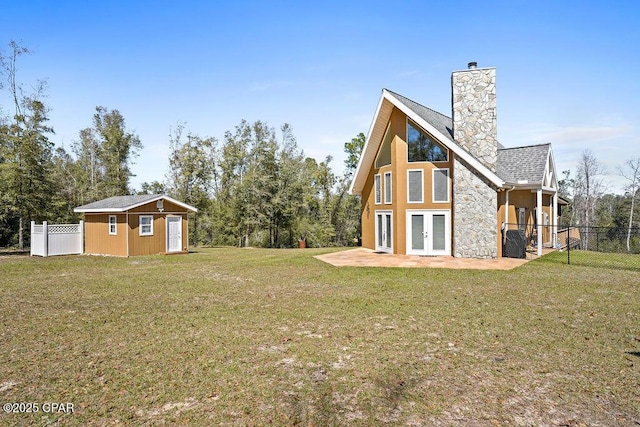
{"x": 421, "y": 147}
{"x": 387, "y": 188}
{"x": 146, "y": 225}
{"x": 415, "y": 186}
{"x": 113, "y": 225}
{"x": 440, "y": 185}
{"x": 377, "y": 180}
{"x": 522, "y": 219}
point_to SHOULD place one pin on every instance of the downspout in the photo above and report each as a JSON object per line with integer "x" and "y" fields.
{"x": 505, "y": 224}
{"x": 506, "y": 206}
{"x": 539, "y": 220}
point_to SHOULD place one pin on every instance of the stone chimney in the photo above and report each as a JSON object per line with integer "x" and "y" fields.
{"x": 473, "y": 104}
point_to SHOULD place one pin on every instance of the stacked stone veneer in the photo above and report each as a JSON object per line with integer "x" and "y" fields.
{"x": 473, "y": 103}
{"x": 475, "y": 214}
{"x": 474, "y": 128}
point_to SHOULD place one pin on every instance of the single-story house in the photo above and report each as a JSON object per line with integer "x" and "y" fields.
{"x": 136, "y": 225}
{"x": 438, "y": 185}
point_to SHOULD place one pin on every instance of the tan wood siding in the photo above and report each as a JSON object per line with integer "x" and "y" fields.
{"x": 127, "y": 241}
{"x": 398, "y": 168}
{"x": 97, "y": 239}
{"x": 147, "y": 245}
{"x": 168, "y": 208}
{"x": 185, "y": 233}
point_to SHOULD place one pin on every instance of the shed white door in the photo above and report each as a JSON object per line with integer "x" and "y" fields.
{"x": 174, "y": 234}
{"x": 428, "y": 232}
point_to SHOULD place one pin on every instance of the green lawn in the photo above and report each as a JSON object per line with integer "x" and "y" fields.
{"x": 256, "y": 337}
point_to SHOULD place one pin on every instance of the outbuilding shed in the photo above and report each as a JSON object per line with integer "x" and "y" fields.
{"x": 136, "y": 225}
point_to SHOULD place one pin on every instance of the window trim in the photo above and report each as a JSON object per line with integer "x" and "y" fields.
{"x": 140, "y": 225}
{"x": 113, "y": 231}
{"x": 522, "y": 219}
{"x": 433, "y": 185}
{"x": 377, "y": 189}
{"x": 386, "y": 213}
{"x": 389, "y": 201}
{"x": 421, "y": 186}
{"x": 433, "y": 139}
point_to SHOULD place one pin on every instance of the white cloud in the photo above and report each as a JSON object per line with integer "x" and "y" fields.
{"x": 612, "y": 145}
{"x": 581, "y": 135}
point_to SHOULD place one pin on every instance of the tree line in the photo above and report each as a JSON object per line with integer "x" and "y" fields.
{"x": 593, "y": 207}
{"x": 255, "y": 187}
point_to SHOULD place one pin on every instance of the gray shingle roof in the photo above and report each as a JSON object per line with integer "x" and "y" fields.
{"x": 513, "y": 164}
{"x": 439, "y": 121}
{"x": 523, "y": 163}
{"x": 119, "y": 202}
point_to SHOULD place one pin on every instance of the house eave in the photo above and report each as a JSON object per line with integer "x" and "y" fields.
{"x": 374, "y": 139}
{"x": 455, "y": 148}
{"x": 385, "y": 106}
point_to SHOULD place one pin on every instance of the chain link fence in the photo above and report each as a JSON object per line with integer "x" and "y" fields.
{"x": 611, "y": 247}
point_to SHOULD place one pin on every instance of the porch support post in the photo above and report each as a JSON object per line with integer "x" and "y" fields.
{"x": 33, "y": 225}
{"x": 506, "y": 209}
{"x": 81, "y": 226}
{"x": 554, "y": 218}
{"x": 539, "y": 220}
{"x": 45, "y": 237}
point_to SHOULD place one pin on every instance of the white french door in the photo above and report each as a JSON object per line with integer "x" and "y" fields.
{"x": 384, "y": 231}
{"x": 428, "y": 232}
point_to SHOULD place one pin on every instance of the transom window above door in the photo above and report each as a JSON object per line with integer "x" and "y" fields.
{"x": 422, "y": 148}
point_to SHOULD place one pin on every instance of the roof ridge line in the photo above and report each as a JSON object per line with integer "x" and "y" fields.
{"x": 524, "y": 146}
{"x": 415, "y": 102}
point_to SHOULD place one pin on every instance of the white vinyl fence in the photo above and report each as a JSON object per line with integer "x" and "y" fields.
{"x": 57, "y": 239}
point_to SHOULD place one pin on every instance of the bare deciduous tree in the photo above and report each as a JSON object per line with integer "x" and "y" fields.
{"x": 589, "y": 186}
{"x": 632, "y": 174}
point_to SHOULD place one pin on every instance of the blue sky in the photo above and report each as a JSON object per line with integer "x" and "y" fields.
{"x": 566, "y": 70}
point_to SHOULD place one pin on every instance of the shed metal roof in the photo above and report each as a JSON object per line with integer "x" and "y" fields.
{"x": 125, "y": 203}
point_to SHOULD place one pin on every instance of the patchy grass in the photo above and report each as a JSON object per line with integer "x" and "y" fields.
{"x": 254, "y": 337}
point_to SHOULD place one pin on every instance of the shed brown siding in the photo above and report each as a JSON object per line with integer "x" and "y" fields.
{"x": 128, "y": 241}
{"x": 146, "y": 245}
{"x": 98, "y": 241}
{"x": 168, "y": 208}
{"x": 157, "y": 243}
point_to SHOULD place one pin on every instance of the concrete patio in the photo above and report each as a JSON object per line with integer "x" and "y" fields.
{"x": 362, "y": 257}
